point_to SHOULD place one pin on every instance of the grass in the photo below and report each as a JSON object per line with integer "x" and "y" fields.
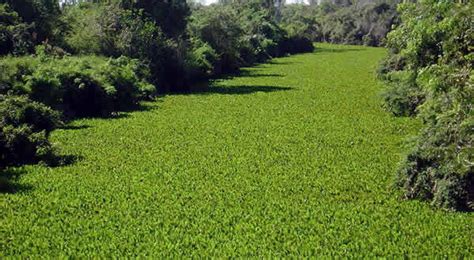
{"x": 292, "y": 158}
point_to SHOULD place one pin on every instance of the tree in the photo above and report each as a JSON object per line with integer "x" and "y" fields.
{"x": 170, "y": 15}
{"x": 44, "y": 15}
{"x": 15, "y": 36}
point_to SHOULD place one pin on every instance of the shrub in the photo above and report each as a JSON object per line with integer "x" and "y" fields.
{"x": 85, "y": 34}
{"x": 302, "y": 20}
{"x": 218, "y": 27}
{"x": 201, "y": 60}
{"x": 19, "y": 110}
{"x": 433, "y": 45}
{"x": 12, "y": 72}
{"x": 240, "y": 34}
{"x": 78, "y": 86}
{"x": 25, "y": 126}
{"x": 404, "y": 95}
{"x": 262, "y": 34}
{"x": 127, "y": 77}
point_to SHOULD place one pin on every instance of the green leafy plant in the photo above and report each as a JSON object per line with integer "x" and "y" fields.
{"x": 25, "y": 126}
{"x": 433, "y": 45}
{"x": 86, "y": 86}
{"x": 15, "y": 35}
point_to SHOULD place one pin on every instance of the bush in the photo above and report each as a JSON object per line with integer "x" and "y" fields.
{"x": 201, "y": 61}
{"x": 177, "y": 50}
{"x": 404, "y": 95}
{"x": 78, "y": 86}
{"x": 25, "y": 126}
{"x": 85, "y": 34}
{"x": 302, "y": 20}
{"x": 433, "y": 46}
{"x": 262, "y": 33}
{"x": 19, "y": 110}
{"x": 12, "y": 71}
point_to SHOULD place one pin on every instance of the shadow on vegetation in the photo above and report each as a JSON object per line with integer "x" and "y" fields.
{"x": 233, "y": 90}
{"x": 274, "y": 62}
{"x": 75, "y": 127}
{"x": 141, "y": 107}
{"x": 212, "y": 86}
{"x": 9, "y": 181}
{"x": 62, "y": 160}
{"x": 126, "y": 113}
{"x": 247, "y": 74}
{"x": 9, "y": 177}
{"x": 336, "y": 50}
{"x": 122, "y": 113}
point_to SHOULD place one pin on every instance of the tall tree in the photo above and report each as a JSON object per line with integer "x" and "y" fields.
{"x": 170, "y": 15}
{"x": 43, "y": 14}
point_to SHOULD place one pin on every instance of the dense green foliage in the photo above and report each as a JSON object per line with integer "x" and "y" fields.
{"x": 25, "y": 126}
{"x": 429, "y": 71}
{"x": 241, "y": 35}
{"x": 113, "y": 31}
{"x": 85, "y": 86}
{"x": 43, "y": 16}
{"x": 289, "y": 158}
{"x": 250, "y": 168}
{"x": 217, "y": 39}
{"x": 349, "y": 23}
{"x": 178, "y": 49}
{"x": 73, "y": 86}
{"x": 14, "y": 34}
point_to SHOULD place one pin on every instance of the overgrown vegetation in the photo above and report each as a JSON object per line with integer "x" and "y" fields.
{"x": 77, "y": 86}
{"x": 293, "y": 158}
{"x": 25, "y": 126}
{"x": 429, "y": 71}
{"x": 236, "y": 35}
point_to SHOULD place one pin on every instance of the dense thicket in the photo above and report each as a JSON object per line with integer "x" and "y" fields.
{"x": 429, "y": 71}
{"x": 347, "y": 22}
